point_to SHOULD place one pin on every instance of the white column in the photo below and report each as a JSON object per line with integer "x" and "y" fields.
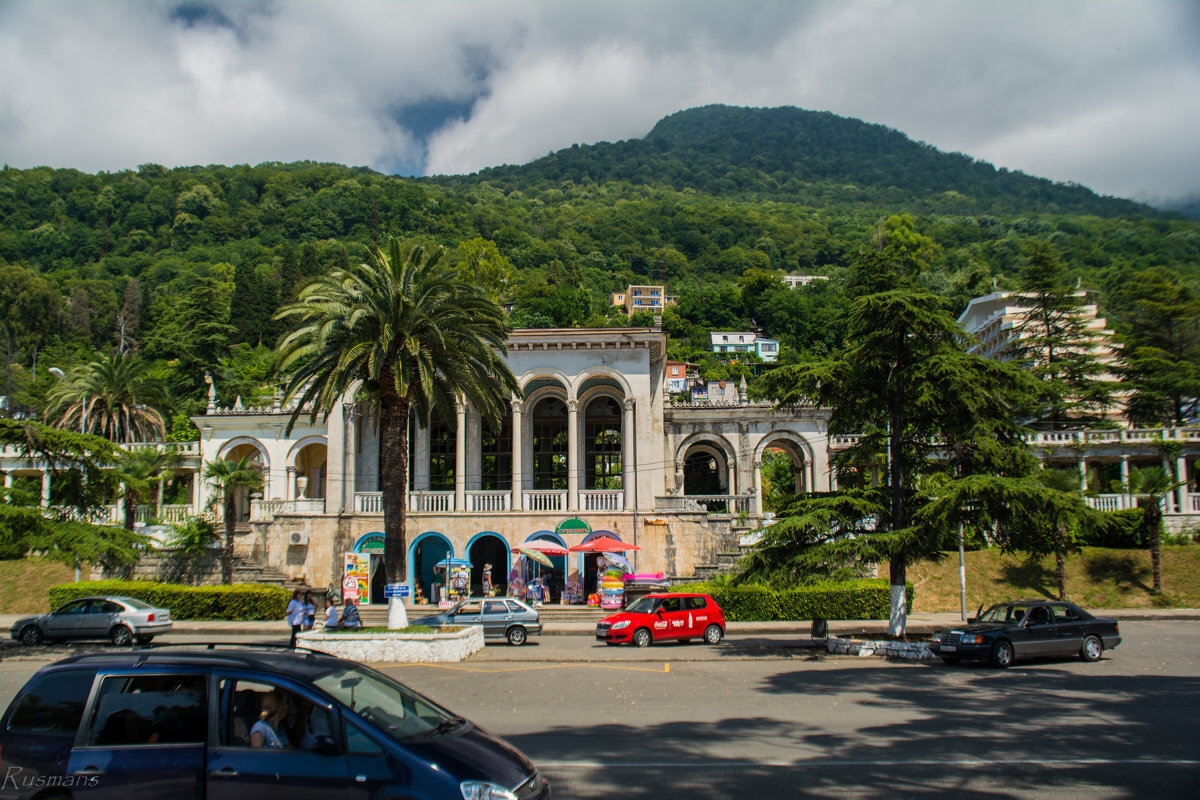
{"x": 1082, "y": 475}
{"x": 45, "y": 488}
{"x": 289, "y": 491}
{"x": 1127, "y": 502}
{"x": 421, "y": 456}
{"x": 731, "y": 468}
{"x": 573, "y": 454}
{"x": 121, "y": 506}
{"x": 1181, "y": 475}
{"x": 628, "y": 468}
{"x": 758, "y": 490}
{"x": 349, "y": 480}
{"x": 197, "y": 490}
{"x": 8, "y": 480}
{"x": 460, "y": 457}
{"x": 518, "y": 445}
{"x": 1168, "y": 498}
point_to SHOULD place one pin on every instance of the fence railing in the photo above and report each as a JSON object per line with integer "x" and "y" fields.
{"x": 490, "y": 500}
{"x": 732, "y": 504}
{"x": 544, "y": 500}
{"x": 436, "y": 502}
{"x": 602, "y": 500}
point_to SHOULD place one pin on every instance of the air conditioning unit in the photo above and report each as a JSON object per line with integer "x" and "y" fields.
{"x": 298, "y": 538}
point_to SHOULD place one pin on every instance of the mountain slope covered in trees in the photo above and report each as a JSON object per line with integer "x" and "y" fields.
{"x": 187, "y": 266}
{"x": 809, "y": 157}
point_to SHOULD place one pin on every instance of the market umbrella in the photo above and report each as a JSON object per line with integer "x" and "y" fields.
{"x": 535, "y": 555}
{"x": 451, "y": 562}
{"x": 603, "y": 544}
{"x": 619, "y": 561}
{"x": 544, "y": 546}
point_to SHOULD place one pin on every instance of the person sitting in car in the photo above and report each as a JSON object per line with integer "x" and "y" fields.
{"x": 267, "y": 731}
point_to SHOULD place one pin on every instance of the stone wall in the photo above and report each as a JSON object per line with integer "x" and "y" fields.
{"x": 397, "y": 648}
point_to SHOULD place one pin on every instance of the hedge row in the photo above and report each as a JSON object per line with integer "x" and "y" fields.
{"x": 859, "y": 599}
{"x": 240, "y": 601}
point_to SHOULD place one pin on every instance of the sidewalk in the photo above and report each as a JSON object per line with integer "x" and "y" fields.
{"x": 919, "y": 622}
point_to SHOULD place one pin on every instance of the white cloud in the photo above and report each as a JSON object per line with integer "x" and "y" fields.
{"x": 1102, "y": 93}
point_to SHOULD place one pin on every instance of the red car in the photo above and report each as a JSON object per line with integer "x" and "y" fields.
{"x": 663, "y": 617}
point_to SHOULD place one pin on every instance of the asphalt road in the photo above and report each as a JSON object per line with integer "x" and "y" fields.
{"x": 772, "y": 717}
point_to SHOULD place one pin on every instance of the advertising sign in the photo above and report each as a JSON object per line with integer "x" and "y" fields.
{"x": 350, "y": 588}
{"x": 358, "y": 567}
{"x": 395, "y": 590}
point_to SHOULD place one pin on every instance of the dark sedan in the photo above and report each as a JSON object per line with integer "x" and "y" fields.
{"x": 503, "y": 618}
{"x": 1028, "y": 629}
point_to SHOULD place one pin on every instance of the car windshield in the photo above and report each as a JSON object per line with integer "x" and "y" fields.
{"x": 390, "y": 706}
{"x": 1005, "y": 612}
{"x": 645, "y": 605}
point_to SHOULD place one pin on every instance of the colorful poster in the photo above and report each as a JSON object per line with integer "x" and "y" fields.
{"x": 358, "y": 566}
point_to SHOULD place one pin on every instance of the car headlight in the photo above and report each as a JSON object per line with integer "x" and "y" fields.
{"x": 618, "y": 625}
{"x": 971, "y": 638}
{"x": 484, "y": 790}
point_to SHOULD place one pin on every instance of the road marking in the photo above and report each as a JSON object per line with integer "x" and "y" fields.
{"x": 825, "y": 763}
{"x": 456, "y": 668}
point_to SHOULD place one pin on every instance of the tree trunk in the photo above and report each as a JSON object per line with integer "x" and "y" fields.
{"x": 227, "y": 549}
{"x": 393, "y": 479}
{"x": 1060, "y": 560}
{"x": 1154, "y": 523}
{"x": 130, "y": 503}
{"x": 898, "y": 615}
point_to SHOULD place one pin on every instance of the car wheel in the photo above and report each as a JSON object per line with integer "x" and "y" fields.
{"x": 1092, "y": 648}
{"x": 516, "y": 636}
{"x": 1002, "y": 654}
{"x": 145, "y": 639}
{"x": 31, "y": 635}
{"x": 121, "y": 636}
{"x": 713, "y": 634}
{"x": 642, "y": 638}
{"x": 951, "y": 660}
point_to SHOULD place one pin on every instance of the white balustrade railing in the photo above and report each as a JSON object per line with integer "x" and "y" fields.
{"x": 489, "y": 500}
{"x": 265, "y": 510}
{"x": 436, "y": 502}
{"x": 1110, "y": 502}
{"x": 174, "y": 513}
{"x": 542, "y": 500}
{"x": 732, "y": 504}
{"x": 602, "y": 500}
{"x": 368, "y": 502}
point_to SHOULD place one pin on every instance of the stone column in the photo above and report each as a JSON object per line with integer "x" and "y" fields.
{"x": 197, "y": 491}
{"x": 758, "y": 490}
{"x": 351, "y": 414}
{"x": 1127, "y": 501}
{"x": 421, "y": 457}
{"x": 1082, "y": 475}
{"x": 1182, "y": 505}
{"x": 573, "y": 454}
{"x": 460, "y": 457}
{"x": 289, "y": 491}
{"x": 45, "y": 488}
{"x": 518, "y": 446}
{"x": 628, "y": 468}
{"x": 1168, "y": 498}
{"x": 8, "y": 480}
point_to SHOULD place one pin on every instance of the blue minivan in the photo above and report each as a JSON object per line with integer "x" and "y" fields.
{"x": 245, "y": 724}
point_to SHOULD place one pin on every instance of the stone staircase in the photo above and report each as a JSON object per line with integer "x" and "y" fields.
{"x": 722, "y": 565}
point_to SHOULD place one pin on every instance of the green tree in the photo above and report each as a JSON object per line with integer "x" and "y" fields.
{"x": 139, "y": 471}
{"x": 904, "y": 383}
{"x": 191, "y": 541}
{"x": 1160, "y": 363}
{"x": 410, "y": 334}
{"x": 1052, "y": 338}
{"x": 228, "y": 477}
{"x": 116, "y": 396}
{"x": 78, "y": 464}
{"x": 481, "y": 262}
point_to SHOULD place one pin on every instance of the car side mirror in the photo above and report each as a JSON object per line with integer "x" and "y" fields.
{"x": 325, "y": 746}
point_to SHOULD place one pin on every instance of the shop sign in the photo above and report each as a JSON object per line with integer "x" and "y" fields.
{"x": 395, "y": 590}
{"x": 573, "y": 525}
{"x": 350, "y": 588}
{"x": 370, "y": 543}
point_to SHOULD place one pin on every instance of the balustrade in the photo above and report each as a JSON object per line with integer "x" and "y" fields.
{"x": 545, "y": 501}
{"x": 485, "y": 501}
{"x": 602, "y": 500}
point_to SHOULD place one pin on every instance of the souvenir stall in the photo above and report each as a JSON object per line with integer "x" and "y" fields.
{"x": 456, "y": 578}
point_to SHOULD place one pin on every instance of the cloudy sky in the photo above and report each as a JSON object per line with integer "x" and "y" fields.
{"x": 1102, "y": 92}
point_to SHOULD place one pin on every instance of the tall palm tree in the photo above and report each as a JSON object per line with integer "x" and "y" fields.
{"x": 412, "y": 335}
{"x": 115, "y": 396}
{"x": 1149, "y": 485}
{"x": 228, "y": 476}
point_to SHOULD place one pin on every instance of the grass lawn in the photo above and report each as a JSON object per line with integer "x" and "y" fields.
{"x": 25, "y": 582}
{"x": 1096, "y": 578}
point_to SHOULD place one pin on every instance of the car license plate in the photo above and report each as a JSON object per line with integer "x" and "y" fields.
{"x": 948, "y": 648}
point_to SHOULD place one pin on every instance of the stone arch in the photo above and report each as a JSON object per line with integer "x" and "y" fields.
{"x": 243, "y": 496}
{"x": 545, "y": 373}
{"x": 600, "y": 371}
{"x": 488, "y": 547}
{"x": 294, "y": 451}
{"x": 706, "y": 463}
{"x": 238, "y": 441}
{"x": 307, "y": 480}
{"x": 798, "y": 449}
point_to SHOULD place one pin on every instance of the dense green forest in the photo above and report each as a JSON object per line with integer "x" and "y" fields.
{"x": 186, "y": 266}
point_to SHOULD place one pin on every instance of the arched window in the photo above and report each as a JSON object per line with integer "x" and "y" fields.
{"x": 602, "y": 444}
{"x": 550, "y": 444}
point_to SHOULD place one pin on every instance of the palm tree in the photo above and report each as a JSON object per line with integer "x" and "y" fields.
{"x": 115, "y": 396}
{"x": 411, "y": 335}
{"x": 139, "y": 470}
{"x": 1149, "y": 486}
{"x": 228, "y": 476}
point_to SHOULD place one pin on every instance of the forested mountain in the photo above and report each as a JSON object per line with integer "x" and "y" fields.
{"x": 809, "y": 157}
{"x": 186, "y": 266}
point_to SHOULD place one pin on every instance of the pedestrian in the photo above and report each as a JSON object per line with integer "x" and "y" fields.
{"x": 487, "y": 580}
{"x": 310, "y": 612}
{"x": 295, "y": 615}
{"x": 331, "y": 614}
{"x": 350, "y": 615}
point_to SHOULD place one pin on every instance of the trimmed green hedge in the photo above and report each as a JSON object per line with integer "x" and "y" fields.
{"x": 239, "y": 601}
{"x": 868, "y": 598}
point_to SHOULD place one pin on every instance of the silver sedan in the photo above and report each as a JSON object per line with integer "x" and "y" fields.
{"x": 121, "y": 620}
{"x": 503, "y": 618}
